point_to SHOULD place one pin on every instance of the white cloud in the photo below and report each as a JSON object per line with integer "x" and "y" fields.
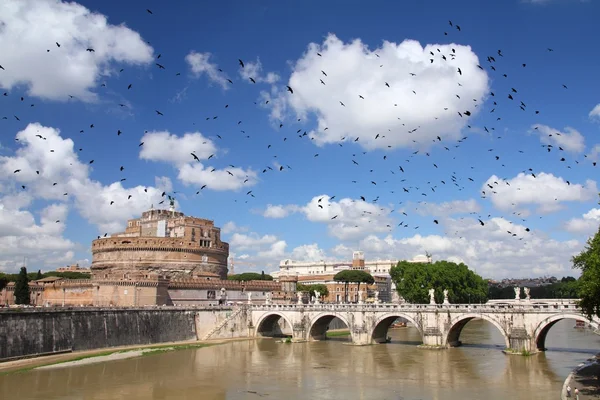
{"x": 594, "y": 154}
{"x": 40, "y": 168}
{"x": 217, "y": 179}
{"x": 200, "y": 64}
{"x": 570, "y": 140}
{"x": 448, "y": 208}
{"x": 588, "y": 224}
{"x": 353, "y": 70}
{"x": 42, "y": 243}
{"x": 231, "y": 227}
{"x": 31, "y": 27}
{"x": 254, "y": 70}
{"x": 595, "y": 113}
{"x": 253, "y": 252}
{"x": 176, "y": 150}
{"x": 346, "y": 219}
{"x": 545, "y": 191}
{"x": 279, "y": 211}
{"x": 489, "y": 250}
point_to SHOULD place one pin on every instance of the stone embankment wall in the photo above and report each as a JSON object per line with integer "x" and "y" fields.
{"x": 31, "y": 332}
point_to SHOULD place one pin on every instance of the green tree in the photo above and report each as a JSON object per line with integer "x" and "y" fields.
{"x": 318, "y": 287}
{"x": 3, "y": 282}
{"x": 39, "y": 275}
{"x": 588, "y": 261}
{"x": 250, "y": 276}
{"x": 413, "y": 281}
{"x": 22, "y": 288}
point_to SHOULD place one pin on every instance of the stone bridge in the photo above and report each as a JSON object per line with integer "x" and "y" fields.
{"x": 524, "y": 325}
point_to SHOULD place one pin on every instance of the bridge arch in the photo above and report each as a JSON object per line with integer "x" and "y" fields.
{"x": 320, "y": 323}
{"x": 383, "y": 323}
{"x": 542, "y": 329}
{"x": 452, "y": 336}
{"x": 268, "y": 325}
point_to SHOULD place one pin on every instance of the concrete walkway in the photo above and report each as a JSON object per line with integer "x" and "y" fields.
{"x": 586, "y": 378}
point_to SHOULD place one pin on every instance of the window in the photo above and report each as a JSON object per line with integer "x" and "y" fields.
{"x": 211, "y": 295}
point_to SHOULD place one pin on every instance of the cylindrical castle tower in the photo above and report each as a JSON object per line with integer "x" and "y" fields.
{"x": 164, "y": 242}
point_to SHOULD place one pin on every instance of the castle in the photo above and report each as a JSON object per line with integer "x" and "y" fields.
{"x": 166, "y": 242}
{"x": 162, "y": 258}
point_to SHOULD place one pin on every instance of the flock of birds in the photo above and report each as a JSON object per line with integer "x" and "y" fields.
{"x": 493, "y": 65}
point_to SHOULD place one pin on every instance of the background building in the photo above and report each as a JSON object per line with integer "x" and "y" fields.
{"x": 165, "y": 242}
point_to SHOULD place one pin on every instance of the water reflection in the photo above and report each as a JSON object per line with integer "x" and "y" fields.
{"x": 324, "y": 370}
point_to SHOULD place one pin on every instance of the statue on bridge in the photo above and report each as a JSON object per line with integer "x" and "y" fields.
{"x": 317, "y": 297}
{"x": 223, "y": 296}
{"x": 431, "y": 296}
{"x": 268, "y": 298}
{"x": 249, "y": 294}
{"x": 377, "y": 297}
{"x": 299, "y": 295}
{"x": 527, "y": 296}
{"x": 446, "y": 296}
{"x": 517, "y": 293}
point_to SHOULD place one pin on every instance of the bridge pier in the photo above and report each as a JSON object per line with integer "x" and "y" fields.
{"x": 433, "y": 337}
{"x": 520, "y": 342}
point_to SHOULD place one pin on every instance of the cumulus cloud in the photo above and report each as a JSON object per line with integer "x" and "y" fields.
{"x": 200, "y": 64}
{"x": 176, "y": 150}
{"x": 250, "y": 251}
{"x": 594, "y": 154}
{"x": 346, "y": 219}
{"x": 50, "y": 169}
{"x": 254, "y": 70}
{"x": 279, "y": 211}
{"x": 447, "y": 208}
{"x": 429, "y": 101}
{"x": 489, "y": 250}
{"x": 545, "y": 191}
{"x": 41, "y": 241}
{"x": 588, "y": 224}
{"x": 595, "y": 113}
{"x": 569, "y": 140}
{"x": 31, "y": 27}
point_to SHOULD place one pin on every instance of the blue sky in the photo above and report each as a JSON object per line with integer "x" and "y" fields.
{"x": 362, "y": 46}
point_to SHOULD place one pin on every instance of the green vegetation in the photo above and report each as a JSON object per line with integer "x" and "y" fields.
{"x": 413, "y": 281}
{"x": 250, "y": 276}
{"x": 337, "y": 333}
{"x": 567, "y": 288}
{"x": 32, "y": 276}
{"x": 588, "y": 261}
{"x": 322, "y": 289}
{"x": 22, "y": 288}
{"x": 3, "y": 282}
{"x": 353, "y": 276}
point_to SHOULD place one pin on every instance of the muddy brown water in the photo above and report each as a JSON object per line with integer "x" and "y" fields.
{"x": 265, "y": 369}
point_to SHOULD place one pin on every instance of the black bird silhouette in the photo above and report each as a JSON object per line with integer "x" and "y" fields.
{"x": 241, "y": 63}
{"x": 289, "y": 89}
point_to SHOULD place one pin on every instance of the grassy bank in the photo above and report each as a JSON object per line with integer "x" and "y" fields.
{"x": 338, "y": 333}
{"x": 29, "y": 364}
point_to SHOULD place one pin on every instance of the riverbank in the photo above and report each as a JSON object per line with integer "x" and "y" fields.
{"x": 103, "y": 355}
{"x": 585, "y": 378}
{"x": 337, "y": 332}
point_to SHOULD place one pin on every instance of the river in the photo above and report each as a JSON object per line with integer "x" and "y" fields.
{"x": 324, "y": 370}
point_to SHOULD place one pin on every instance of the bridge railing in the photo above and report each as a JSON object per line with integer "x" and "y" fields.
{"x": 564, "y": 306}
